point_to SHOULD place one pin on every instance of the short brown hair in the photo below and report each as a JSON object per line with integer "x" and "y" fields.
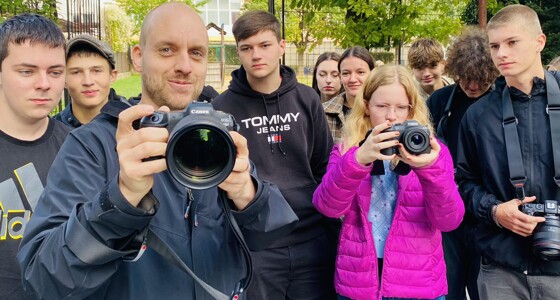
{"x": 253, "y": 22}
{"x": 468, "y": 58}
{"x": 516, "y": 14}
{"x": 425, "y": 52}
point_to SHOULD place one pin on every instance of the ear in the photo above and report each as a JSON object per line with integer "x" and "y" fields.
{"x": 282, "y": 44}
{"x": 137, "y": 58}
{"x": 113, "y": 75}
{"x": 541, "y": 42}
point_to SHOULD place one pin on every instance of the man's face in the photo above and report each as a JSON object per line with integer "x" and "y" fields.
{"x": 88, "y": 80}
{"x": 473, "y": 89}
{"x": 173, "y": 59}
{"x": 429, "y": 76}
{"x": 515, "y": 51}
{"x": 260, "y": 54}
{"x": 31, "y": 81}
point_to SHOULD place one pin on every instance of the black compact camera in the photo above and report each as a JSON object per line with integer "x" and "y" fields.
{"x": 200, "y": 152}
{"x": 414, "y": 137}
{"x": 546, "y": 238}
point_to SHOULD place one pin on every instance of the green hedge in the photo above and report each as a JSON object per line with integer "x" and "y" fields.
{"x": 231, "y": 54}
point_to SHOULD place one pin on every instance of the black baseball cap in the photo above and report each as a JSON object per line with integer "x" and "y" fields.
{"x": 85, "y": 39}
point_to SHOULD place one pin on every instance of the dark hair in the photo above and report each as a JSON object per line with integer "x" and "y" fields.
{"x": 323, "y": 57}
{"x": 85, "y": 50}
{"x": 253, "y": 22}
{"x": 468, "y": 58}
{"x": 425, "y": 53}
{"x": 30, "y": 28}
{"x": 358, "y": 52}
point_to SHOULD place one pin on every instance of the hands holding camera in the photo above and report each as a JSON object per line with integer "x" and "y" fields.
{"x": 509, "y": 216}
{"x": 135, "y": 146}
{"x": 377, "y": 147}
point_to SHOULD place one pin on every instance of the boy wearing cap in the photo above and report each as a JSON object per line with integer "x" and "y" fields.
{"x": 90, "y": 71}
{"x": 32, "y": 67}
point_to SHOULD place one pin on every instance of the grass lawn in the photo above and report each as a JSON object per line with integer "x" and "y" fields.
{"x": 129, "y": 86}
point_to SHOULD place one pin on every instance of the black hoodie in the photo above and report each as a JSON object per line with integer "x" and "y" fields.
{"x": 289, "y": 142}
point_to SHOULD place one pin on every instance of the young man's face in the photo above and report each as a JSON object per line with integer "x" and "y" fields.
{"x": 515, "y": 51}
{"x": 429, "y": 77}
{"x": 31, "y": 81}
{"x": 260, "y": 54}
{"x": 473, "y": 89}
{"x": 174, "y": 58}
{"x": 88, "y": 80}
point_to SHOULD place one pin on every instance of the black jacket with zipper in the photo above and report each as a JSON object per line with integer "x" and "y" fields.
{"x": 483, "y": 174}
{"x": 82, "y": 216}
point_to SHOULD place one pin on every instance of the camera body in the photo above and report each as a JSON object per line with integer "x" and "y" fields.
{"x": 200, "y": 152}
{"x": 414, "y": 137}
{"x": 546, "y": 237}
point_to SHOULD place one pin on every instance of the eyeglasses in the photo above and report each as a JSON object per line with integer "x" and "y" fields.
{"x": 400, "y": 110}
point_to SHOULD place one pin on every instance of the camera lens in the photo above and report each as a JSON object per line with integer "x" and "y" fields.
{"x": 416, "y": 141}
{"x": 200, "y": 152}
{"x": 546, "y": 241}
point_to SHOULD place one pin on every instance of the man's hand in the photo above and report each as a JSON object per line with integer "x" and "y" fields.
{"x": 239, "y": 185}
{"x": 136, "y": 176}
{"x": 510, "y": 217}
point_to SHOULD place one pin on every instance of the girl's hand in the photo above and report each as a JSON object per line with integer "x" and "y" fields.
{"x": 422, "y": 160}
{"x": 370, "y": 150}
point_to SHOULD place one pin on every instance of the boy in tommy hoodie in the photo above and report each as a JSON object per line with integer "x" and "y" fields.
{"x": 390, "y": 244}
{"x": 289, "y": 142}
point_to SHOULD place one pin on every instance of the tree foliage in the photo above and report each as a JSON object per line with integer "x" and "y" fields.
{"x": 386, "y": 23}
{"x": 118, "y": 28}
{"x": 137, "y": 10}
{"x": 11, "y": 8}
{"x": 304, "y": 28}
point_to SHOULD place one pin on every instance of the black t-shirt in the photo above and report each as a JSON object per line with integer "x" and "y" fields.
{"x": 23, "y": 173}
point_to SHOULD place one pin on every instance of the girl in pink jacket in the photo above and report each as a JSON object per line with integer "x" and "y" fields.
{"x": 395, "y": 205}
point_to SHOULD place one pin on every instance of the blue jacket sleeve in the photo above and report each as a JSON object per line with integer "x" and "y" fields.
{"x": 81, "y": 228}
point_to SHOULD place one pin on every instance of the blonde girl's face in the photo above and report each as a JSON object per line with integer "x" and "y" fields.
{"x": 388, "y": 103}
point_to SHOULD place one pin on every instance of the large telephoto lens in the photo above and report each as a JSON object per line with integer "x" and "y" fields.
{"x": 416, "y": 141}
{"x": 546, "y": 241}
{"x": 200, "y": 152}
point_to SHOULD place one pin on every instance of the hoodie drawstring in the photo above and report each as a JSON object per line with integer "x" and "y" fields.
{"x": 268, "y": 125}
{"x": 279, "y": 132}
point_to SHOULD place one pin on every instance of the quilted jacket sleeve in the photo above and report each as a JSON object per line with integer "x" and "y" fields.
{"x": 340, "y": 184}
{"x": 444, "y": 206}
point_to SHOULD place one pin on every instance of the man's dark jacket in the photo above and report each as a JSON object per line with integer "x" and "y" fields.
{"x": 82, "y": 216}
{"x": 67, "y": 117}
{"x": 483, "y": 174}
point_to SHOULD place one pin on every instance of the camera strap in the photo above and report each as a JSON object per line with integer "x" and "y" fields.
{"x": 440, "y": 134}
{"x": 162, "y": 248}
{"x": 513, "y": 147}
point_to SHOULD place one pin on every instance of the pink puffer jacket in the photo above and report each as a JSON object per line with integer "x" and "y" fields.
{"x": 427, "y": 203}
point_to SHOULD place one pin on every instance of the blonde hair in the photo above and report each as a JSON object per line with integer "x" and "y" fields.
{"x": 358, "y": 123}
{"x": 523, "y": 15}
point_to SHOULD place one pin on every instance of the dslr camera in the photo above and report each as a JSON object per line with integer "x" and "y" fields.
{"x": 200, "y": 152}
{"x": 414, "y": 137}
{"x": 546, "y": 238}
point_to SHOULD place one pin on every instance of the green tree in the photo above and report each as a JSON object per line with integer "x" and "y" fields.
{"x": 137, "y": 10}
{"x": 304, "y": 28}
{"x": 118, "y": 28}
{"x": 387, "y": 23}
{"x": 46, "y": 8}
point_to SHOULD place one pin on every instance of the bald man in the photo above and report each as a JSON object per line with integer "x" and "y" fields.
{"x": 84, "y": 240}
